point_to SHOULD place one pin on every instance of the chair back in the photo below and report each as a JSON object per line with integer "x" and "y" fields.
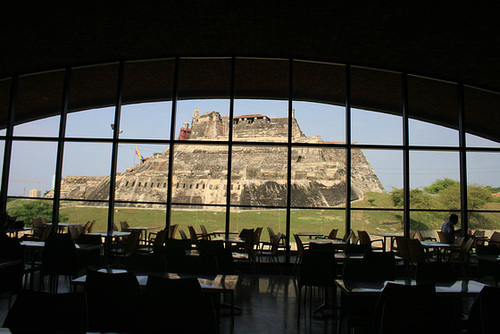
{"x": 495, "y": 239}
{"x": 483, "y": 315}
{"x": 364, "y": 238}
{"x": 172, "y": 230}
{"x": 402, "y": 245}
{"x": 91, "y": 227}
{"x": 300, "y": 246}
{"x": 131, "y": 242}
{"x": 271, "y": 233}
{"x": 176, "y": 306}
{"x": 183, "y": 234}
{"x": 74, "y": 232}
{"x": 87, "y": 226}
{"x": 419, "y": 235}
{"x": 431, "y": 272}
{"x": 463, "y": 255}
{"x": 160, "y": 238}
{"x": 417, "y": 252}
{"x": 113, "y": 300}
{"x": 318, "y": 268}
{"x": 458, "y": 241}
{"x": 256, "y": 236}
{"x": 333, "y": 233}
{"x": 204, "y": 233}
{"x": 442, "y": 237}
{"x": 192, "y": 234}
{"x": 59, "y": 256}
{"x": 406, "y": 309}
{"x": 382, "y": 265}
{"x": 42, "y": 312}
{"x": 124, "y": 226}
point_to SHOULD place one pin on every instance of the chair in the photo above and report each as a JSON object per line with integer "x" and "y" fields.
{"x": 364, "y": 239}
{"x": 87, "y": 226}
{"x": 91, "y": 227}
{"x": 406, "y": 309}
{"x": 422, "y": 238}
{"x": 301, "y": 247}
{"x": 204, "y": 233}
{"x": 404, "y": 253}
{"x": 11, "y": 273}
{"x": 216, "y": 259}
{"x": 462, "y": 256}
{"x": 156, "y": 239}
{"x": 353, "y": 249}
{"x": 172, "y": 230}
{"x": 381, "y": 265}
{"x": 247, "y": 247}
{"x": 183, "y": 234}
{"x": 193, "y": 235}
{"x": 124, "y": 226}
{"x": 146, "y": 263}
{"x": 271, "y": 233}
{"x": 129, "y": 246}
{"x": 38, "y": 226}
{"x": 176, "y": 306}
{"x": 332, "y": 234}
{"x": 272, "y": 254}
{"x": 114, "y": 301}
{"x": 495, "y": 239}
{"x": 483, "y": 315}
{"x": 442, "y": 237}
{"x": 46, "y": 313}
{"x": 318, "y": 269}
{"x": 488, "y": 269}
{"x": 432, "y": 272}
{"x": 74, "y": 232}
{"x": 479, "y": 233}
{"x": 417, "y": 252}
{"x": 59, "y": 257}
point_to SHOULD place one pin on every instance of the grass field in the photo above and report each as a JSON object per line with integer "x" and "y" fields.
{"x": 365, "y": 217}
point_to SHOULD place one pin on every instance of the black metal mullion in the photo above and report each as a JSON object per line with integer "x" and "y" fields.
{"x": 171, "y": 142}
{"x": 230, "y": 147}
{"x": 348, "y": 161}
{"x": 60, "y": 148}
{"x": 406, "y": 155}
{"x": 289, "y": 160}
{"x": 462, "y": 160}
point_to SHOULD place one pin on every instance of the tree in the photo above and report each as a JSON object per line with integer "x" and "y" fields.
{"x": 441, "y": 184}
{"x": 419, "y": 199}
{"x": 27, "y": 210}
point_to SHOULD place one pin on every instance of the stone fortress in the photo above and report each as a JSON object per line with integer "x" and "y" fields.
{"x": 258, "y": 173}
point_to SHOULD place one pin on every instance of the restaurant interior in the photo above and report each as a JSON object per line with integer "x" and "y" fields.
{"x": 100, "y": 262}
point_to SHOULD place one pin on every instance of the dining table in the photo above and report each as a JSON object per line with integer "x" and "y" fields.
{"x": 391, "y": 236}
{"x": 311, "y": 235}
{"x": 216, "y": 284}
{"x": 440, "y": 247}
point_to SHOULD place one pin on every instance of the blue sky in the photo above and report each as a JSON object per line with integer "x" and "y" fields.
{"x": 32, "y": 164}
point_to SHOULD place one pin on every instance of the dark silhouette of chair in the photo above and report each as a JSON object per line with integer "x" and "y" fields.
{"x": 483, "y": 315}
{"x": 404, "y": 253}
{"x": 193, "y": 236}
{"x": 176, "y": 260}
{"x": 429, "y": 272}
{"x": 417, "y": 252}
{"x": 176, "y": 306}
{"x": 90, "y": 258}
{"x": 422, "y": 238}
{"x": 59, "y": 258}
{"x": 381, "y": 265}
{"x": 114, "y": 301}
{"x": 271, "y": 254}
{"x": 353, "y": 249}
{"x": 364, "y": 239}
{"x": 124, "y": 226}
{"x": 332, "y": 234}
{"x": 215, "y": 258}
{"x": 318, "y": 269}
{"x": 183, "y": 234}
{"x": 46, "y": 313}
{"x": 11, "y": 275}
{"x": 204, "y": 233}
{"x": 146, "y": 263}
{"x": 301, "y": 247}
{"x": 406, "y": 309}
{"x": 127, "y": 247}
{"x": 155, "y": 240}
{"x": 488, "y": 269}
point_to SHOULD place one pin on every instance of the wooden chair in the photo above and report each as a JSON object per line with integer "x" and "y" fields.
{"x": 124, "y": 226}
{"x": 422, "y": 238}
{"x": 172, "y": 230}
{"x": 183, "y": 234}
{"x": 417, "y": 252}
{"x": 442, "y": 237}
{"x": 495, "y": 239}
{"x": 204, "y": 233}
{"x": 479, "y": 233}
{"x": 332, "y": 234}
{"x": 364, "y": 239}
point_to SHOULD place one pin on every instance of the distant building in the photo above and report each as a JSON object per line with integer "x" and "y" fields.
{"x": 35, "y": 193}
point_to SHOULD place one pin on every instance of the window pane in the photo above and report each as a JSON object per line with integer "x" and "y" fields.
{"x": 486, "y": 221}
{"x": 202, "y": 119}
{"x": 258, "y": 176}
{"x": 86, "y": 169}
{"x": 476, "y": 141}
{"x": 364, "y": 179}
{"x": 200, "y": 174}
{"x": 258, "y": 217}
{"x": 432, "y": 100}
{"x": 483, "y": 180}
{"x": 41, "y": 93}
{"x": 32, "y": 167}
{"x": 319, "y": 123}
{"x": 213, "y": 218}
{"x": 152, "y": 218}
{"x": 260, "y": 120}
{"x": 377, "y": 222}
{"x": 27, "y": 209}
{"x": 75, "y": 212}
{"x": 427, "y": 134}
{"x": 146, "y": 121}
{"x": 430, "y": 222}
{"x": 92, "y": 87}
{"x": 318, "y": 177}
{"x": 316, "y": 220}
{"x": 369, "y": 127}
{"x": 434, "y": 180}
{"x": 142, "y": 179}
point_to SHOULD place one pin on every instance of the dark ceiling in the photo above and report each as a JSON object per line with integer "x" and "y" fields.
{"x": 439, "y": 39}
